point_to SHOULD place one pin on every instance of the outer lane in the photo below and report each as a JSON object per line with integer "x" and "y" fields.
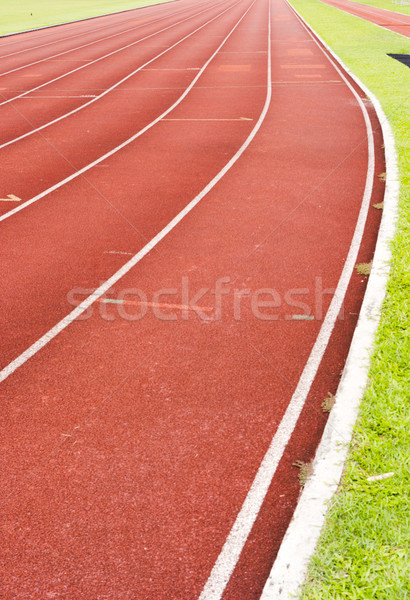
{"x": 394, "y": 21}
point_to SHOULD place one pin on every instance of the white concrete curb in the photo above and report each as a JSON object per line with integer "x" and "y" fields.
{"x": 117, "y": 12}
{"x": 289, "y": 570}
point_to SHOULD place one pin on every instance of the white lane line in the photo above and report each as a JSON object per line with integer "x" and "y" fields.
{"x": 10, "y": 198}
{"x": 104, "y": 57}
{"x": 88, "y": 44}
{"x": 289, "y": 570}
{"x": 103, "y": 289}
{"x": 108, "y": 90}
{"x": 235, "y": 542}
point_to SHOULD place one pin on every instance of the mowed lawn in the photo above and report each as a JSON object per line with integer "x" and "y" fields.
{"x": 363, "y": 552}
{"x": 20, "y": 15}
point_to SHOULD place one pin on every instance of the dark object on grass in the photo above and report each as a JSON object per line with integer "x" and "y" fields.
{"x": 403, "y": 58}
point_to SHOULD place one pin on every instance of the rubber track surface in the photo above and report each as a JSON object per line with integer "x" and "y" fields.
{"x": 130, "y": 441}
{"x": 394, "y": 21}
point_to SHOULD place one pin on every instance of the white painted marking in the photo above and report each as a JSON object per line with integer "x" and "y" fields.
{"x": 103, "y": 289}
{"x": 10, "y": 198}
{"x": 108, "y": 90}
{"x": 239, "y": 119}
{"x": 302, "y": 317}
{"x": 290, "y": 567}
{"x": 118, "y": 252}
{"x": 193, "y": 307}
{"x": 48, "y": 97}
{"x": 109, "y": 54}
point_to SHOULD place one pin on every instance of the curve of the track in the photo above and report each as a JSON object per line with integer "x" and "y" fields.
{"x": 130, "y": 443}
{"x": 388, "y": 19}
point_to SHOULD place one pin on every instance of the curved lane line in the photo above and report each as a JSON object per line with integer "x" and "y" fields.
{"x": 102, "y": 289}
{"x": 290, "y": 566}
{"x": 235, "y": 542}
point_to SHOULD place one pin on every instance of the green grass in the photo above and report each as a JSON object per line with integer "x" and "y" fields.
{"x": 27, "y": 14}
{"x": 363, "y": 551}
{"x": 387, "y": 4}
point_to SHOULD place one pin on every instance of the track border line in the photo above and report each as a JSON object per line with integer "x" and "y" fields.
{"x": 118, "y": 12}
{"x": 290, "y": 567}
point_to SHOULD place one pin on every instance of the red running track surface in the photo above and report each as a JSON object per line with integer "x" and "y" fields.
{"x": 394, "y": 21}
{"x": 131, "y": 439}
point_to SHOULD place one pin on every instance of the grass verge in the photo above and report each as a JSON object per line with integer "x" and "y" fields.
{"x": 29, "y": 14}
{"x": 363, "y": 550}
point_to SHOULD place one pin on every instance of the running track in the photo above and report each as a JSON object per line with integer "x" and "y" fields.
{"x": 394, "y": 21}
{"x": 184, "y": 162}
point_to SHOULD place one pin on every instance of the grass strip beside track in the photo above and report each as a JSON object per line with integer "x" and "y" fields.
{"x": 30, "y": 14}
{"x": 362, "y": 552}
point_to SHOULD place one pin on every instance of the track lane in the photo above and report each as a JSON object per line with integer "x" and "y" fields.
{"x": 173, "y": 417}
{"x": 396, "y": 22}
